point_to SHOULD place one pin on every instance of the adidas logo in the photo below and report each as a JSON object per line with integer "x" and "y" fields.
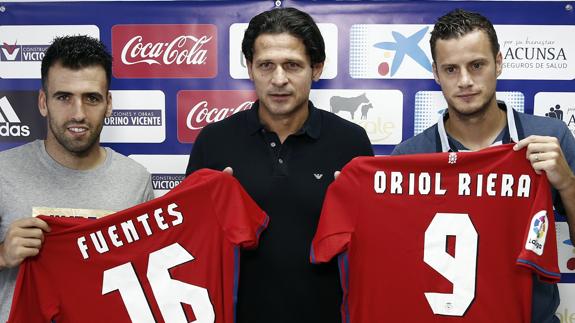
{"x": 7, "y": 119}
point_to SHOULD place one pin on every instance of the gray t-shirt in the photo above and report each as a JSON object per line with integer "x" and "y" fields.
{"x": 29, "y": 178}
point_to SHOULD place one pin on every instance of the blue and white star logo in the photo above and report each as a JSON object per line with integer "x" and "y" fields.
{"x": 405, "y": 46}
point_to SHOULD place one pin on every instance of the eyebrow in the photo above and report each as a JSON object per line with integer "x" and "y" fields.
{"x": 447, "y": 65}
{"x": 98, "y": 94}
{"x": 477, "y": 60}
{"x": 271, "y": 60}
{"x": 58, "y": 93}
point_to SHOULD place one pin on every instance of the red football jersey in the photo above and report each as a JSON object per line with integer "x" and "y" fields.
{"x": 444, "y": 237}
{"x": 172, "y": 259}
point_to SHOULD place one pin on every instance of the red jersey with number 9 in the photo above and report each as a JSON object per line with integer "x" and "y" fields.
{"x": 444, "y": 237}
{"x": 172, "y": 259}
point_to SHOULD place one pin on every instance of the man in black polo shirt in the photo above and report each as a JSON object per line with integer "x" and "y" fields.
{"x": 284, "y": 151}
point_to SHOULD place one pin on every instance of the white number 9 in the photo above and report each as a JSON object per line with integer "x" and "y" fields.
{"x": 459, "y": 270}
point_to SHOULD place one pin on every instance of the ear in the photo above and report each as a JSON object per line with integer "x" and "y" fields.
{"x": 498, "y": 63}
{"x": 316, "y": 70}
{"x": 435, "y": 75}
{"x": 249, "y": 65}
{"x": 42, "y": 106}
{"x": 109, "y": 105}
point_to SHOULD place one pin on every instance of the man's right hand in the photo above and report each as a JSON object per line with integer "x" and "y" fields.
{"x": 23, "y": 239}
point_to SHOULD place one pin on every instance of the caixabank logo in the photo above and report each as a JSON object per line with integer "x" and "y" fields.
{"x": 22, "y": 47}
{"x": 390, "y": 51}
{"x": 20, "y": 120}
{"x": 196, "y": 109}
{"x": 165, "y": 51}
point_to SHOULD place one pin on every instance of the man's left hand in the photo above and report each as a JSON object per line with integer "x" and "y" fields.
{"x": 545, "y": 154}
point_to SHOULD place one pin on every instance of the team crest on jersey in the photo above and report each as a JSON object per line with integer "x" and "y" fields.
{"x": 452, "y": 158}
{"x": 537, "y": 233}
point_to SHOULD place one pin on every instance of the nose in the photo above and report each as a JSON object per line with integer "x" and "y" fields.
{"x": 78, "y": 110}
{"x": 279, "y": 77}
{"x": 465, "y": 79}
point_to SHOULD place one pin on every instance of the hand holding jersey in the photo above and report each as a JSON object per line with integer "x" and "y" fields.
{"x": 23, "y": 239}
{"x": 545, "y": 154}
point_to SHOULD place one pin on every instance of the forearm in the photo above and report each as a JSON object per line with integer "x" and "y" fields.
{"x": 3, "y": 264}
{"x": 568, "y": 199}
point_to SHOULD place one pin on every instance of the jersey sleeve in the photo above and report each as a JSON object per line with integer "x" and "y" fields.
{"x": 241, "y": 218}
{"x": 539, "y": 247}
{"x": 35, "y": 299}
{"x": 337, "y": 219}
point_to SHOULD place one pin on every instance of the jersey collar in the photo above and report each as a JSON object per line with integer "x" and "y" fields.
{"x": 510, "y": 134}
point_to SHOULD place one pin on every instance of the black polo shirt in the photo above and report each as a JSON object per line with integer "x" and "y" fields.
{"x": 288, "y": 181}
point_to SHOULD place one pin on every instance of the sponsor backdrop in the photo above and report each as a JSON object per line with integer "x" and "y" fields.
{"x": 178, "y": 66}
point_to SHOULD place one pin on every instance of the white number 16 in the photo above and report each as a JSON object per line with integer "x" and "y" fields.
{"x": 169, "y": 293}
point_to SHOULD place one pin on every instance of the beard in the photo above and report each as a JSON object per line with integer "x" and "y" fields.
{"x": 470, "y": 113}
{"x": 77, "y": 147}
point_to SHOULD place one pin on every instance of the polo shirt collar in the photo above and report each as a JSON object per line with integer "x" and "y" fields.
{"x": 311, "y": 127}
{"x": 510, "y": 134}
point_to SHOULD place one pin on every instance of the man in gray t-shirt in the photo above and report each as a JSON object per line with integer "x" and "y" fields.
{"x": 69, "y": 169}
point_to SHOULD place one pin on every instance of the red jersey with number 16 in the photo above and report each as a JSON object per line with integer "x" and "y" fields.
{"x": 172, "y": 259}
{"x": 444, "y": 237}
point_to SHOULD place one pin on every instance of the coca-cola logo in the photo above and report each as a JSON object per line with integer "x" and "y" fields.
{"x": 164, "y": 51}
{"x": 201, "y": 114}
{"x": 181, "y": 50}
{"x": 196, "y": 109}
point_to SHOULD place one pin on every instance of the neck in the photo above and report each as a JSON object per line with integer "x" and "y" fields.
{"x": 86, "y": 160}
{"x": 478, "y": 131}
{"x": 284, "y": 125}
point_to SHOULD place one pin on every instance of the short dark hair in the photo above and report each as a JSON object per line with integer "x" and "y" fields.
{"x": 285, "y": 20}
{"x": 458, "y": 23}
{"x": 76, "y": 52}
